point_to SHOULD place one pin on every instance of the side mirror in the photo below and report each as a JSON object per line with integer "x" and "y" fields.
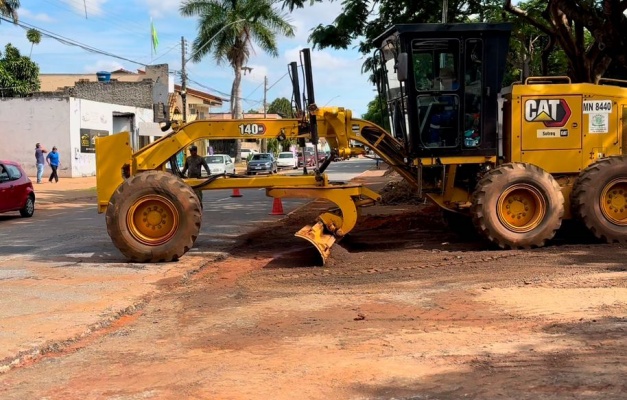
{"x": 401, "y": 67}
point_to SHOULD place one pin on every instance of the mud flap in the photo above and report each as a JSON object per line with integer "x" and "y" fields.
{"x": 317, "y": 236}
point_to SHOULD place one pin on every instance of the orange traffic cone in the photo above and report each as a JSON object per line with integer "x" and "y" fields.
{"x": 236, "y": 193}
{"x": 277, "y": 207}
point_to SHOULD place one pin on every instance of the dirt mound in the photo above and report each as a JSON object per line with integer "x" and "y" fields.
{"x": 399, "y": 192}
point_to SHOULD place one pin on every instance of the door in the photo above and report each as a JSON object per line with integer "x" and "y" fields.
{"x": 8, "y": 198}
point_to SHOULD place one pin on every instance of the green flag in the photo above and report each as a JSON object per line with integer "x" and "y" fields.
{"x": 155, "y": 38}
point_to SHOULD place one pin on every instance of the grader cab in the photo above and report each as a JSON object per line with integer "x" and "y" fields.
{"x": 516, "y": 161}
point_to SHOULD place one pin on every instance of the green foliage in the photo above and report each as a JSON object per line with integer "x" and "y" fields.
{"x": 274, "y": 146}
{"x": 19, "y": 76}
{"x": 8, "y": 8}
{"x": 281, "y": 106}
{"x": 378, "y": 112}
{"x": 34, "y": 37}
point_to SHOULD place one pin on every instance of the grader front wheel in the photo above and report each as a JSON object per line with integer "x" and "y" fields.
{"x": 518, "y": 205}
{"x": 153, "y": 217}
{"x": 599, "y": 199}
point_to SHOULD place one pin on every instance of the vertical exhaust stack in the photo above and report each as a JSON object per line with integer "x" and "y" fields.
{"x": 311, "y": 102}
{"x": 295, "y": 86}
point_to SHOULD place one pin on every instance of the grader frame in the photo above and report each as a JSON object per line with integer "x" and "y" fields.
{"x": 517, "y": 163}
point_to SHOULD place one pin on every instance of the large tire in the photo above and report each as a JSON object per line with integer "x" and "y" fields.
{"x": 153, "y": 217}
{"x": 518, "y": 205}
{"x": 599, "y": 199}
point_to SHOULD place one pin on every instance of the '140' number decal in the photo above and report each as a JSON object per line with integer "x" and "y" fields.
{"x": 252, "y": 129}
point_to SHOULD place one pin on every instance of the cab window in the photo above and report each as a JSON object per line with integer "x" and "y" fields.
{"x": 436, "y": 74}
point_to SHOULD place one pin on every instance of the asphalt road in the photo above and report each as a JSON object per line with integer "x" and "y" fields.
{"x": 77, "y": 231}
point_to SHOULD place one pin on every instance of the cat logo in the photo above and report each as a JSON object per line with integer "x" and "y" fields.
{"x": 553, "y": 113}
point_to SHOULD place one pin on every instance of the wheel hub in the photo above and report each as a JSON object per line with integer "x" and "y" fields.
{"x": 152, "y": 220}
{"x": 521, "y": 208}
{"x": 614, "y": 202}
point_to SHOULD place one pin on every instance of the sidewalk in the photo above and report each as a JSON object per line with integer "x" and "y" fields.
{"x": 67, "y": 190}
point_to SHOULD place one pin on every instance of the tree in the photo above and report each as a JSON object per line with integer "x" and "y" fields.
{"x": 281, "y": 106}
{"x": 19, "y": 76}
{"x": 34, "y": 37}
{"x": 377, "y": 112}
{"x": 565, "y": 23}
{"x": 8, "y": 8}
{"x": 226, "y": 30}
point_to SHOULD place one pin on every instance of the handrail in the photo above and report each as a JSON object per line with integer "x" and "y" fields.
{"x": 547, "y": 79}
{"x": 618, "y": 82}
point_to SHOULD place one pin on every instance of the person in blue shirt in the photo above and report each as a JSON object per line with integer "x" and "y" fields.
{"x": 54, "y": 162}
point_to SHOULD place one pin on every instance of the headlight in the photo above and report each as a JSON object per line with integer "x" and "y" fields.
{"x": 268, "y": 164}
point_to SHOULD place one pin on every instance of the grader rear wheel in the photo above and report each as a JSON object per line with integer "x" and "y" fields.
{"x": 518, "y": 205}
{"x": 153, "y": 217}
{"x": 599, "y": 199}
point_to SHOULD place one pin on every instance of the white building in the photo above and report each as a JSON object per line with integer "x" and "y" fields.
{"x": 69, "y": 124}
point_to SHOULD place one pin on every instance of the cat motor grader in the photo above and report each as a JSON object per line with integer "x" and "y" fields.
{"x": 516, "y": 161}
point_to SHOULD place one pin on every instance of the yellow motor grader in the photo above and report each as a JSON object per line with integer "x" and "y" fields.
{"x": 516, "y": 161}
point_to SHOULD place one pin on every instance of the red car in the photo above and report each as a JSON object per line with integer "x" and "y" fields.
{"x": 309, "y": 161}
{"x": 16, "y": 190}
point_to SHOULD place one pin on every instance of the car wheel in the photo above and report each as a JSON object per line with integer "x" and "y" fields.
{"x": 29, "y": 208}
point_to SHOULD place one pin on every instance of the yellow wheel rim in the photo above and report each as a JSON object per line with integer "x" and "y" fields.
{"x": 521, "y": 208}
{"x": 152, "y": 220}
{"x": 614, "y": 202}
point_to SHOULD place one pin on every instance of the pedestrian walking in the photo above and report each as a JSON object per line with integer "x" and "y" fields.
{"x": 54, "y": 162}
{"x": 194, "y": 164}
{"x": 40, "y": 160}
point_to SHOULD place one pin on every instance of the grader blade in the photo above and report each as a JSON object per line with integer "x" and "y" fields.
{"x": 316, "y": 235}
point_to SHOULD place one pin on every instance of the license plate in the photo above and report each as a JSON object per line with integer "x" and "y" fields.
{"x": 257, "y": 167}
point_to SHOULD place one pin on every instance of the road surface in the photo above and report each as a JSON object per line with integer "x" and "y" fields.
{"x": 61, "y": 277}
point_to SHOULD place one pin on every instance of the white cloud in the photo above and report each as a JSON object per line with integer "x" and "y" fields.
{"x": 42, "y": 17}
{"x": 162, "y": 8}
{"x": 89, "y": 7}
{"x": 321, "y": 60}
{"x": 103, "y": 65}
{"x": 257, "y": 74}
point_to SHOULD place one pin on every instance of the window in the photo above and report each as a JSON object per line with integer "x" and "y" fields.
{"x": 13, "y": 172}
{"x": 473, "y": 81}
{"x": 436, "y": 72}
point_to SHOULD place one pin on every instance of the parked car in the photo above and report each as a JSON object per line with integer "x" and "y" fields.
{"x": 322, "y": 155}
{"x": 287, "y": 159}
{"x": 244, "y": 153}
{"x": 260, "y": 163}
{"x": 16, "y": 190}
{"x": 309, "y": 160}
{"x": 220, "y": 164}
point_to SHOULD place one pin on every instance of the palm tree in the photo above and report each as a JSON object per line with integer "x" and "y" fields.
{"x": 227, "y": 29}
{"x": 34, "y": 37}
{"x": 8, "y": 8}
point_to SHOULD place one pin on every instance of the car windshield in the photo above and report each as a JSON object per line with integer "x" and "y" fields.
{"x": 263, "y": 157}
{"x": 286, "y": 155}
{"x": 215, "y": 159}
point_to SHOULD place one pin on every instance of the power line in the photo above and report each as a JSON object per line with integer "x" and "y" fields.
{"x": 69, "y": 42}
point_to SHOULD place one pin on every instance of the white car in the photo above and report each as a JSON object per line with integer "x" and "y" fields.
{"x": 244, "y": 153}
{"x": 287, "y": 159}
{"x": 220, "y": 164}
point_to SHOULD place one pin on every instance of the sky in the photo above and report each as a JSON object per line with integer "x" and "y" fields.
{"x": 122, "y": 28}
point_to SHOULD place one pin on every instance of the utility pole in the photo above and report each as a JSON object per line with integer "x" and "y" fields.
{"x": 264, "y": 142}
{"x": 265, "y": 94}
{"x": 183, "y": 80}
